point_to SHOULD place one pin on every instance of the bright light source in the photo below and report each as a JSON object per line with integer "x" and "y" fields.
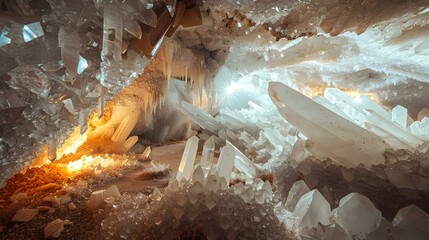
{"x": 358, "y": 100}
{"x": 232, "y": 88}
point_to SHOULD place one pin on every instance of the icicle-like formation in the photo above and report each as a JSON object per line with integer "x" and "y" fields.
{"x": 70, "y": 45}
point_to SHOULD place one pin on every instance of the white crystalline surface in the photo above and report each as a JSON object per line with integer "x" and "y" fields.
{"x": 358, "y": 214}
{"x": 298, "y": 189}
{"x": 188, "y": 159}
{"x": 338, "y": 137}
{"x": 311, "y": 209}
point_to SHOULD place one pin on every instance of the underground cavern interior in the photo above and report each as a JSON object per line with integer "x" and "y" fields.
{"x": 214, "y": 119}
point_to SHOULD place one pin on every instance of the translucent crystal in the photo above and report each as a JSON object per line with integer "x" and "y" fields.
{"x": 358, "y": 214}
{"x": 112, "y": 33}
{"x": 411, "y": 223}
{"x": 212, "y": 182}
{"x": 146, "y": 152}
{"x": 132, "y": 27}
{"x": 83, "y": 64}
{"x": 112, "y": 192}
{"x": 297, "y": 190}
{"x": 188, "y": 158}
{"x": 32, "y": 79}
{"x": 410, "y": 141}
{"x": 339, "y": 138}
{"x": 248, "y": 194}
{"x": 200, "y": 117}
{"x": 400, "y": 115}
{"x": 32, "y": 31}
{"x": 268, "y": 191}
{"x": 311, "y": 209}
{"x": 69, "y": 41}
{"x": 198, "y": 175}
{"x": 4, "y": 40}
{"x": 96, "y": 199}
{"x": 208, "y": 152}
{"x": 242, "y": 163}
{"x": 226, "y": 162}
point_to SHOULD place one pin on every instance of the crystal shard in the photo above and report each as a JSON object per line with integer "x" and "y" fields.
{"x": 96, "y": 199}
{"x": 112, "y": 33}
{"x": 298, "y": 189}
{"x": 242, "y": 163}
{"x": 112, "y": 192}
{"x": 311, "y": 209}
{"x": 358, "y": 214}
{"x": 411, "y": 223}
{"x": 32, "y": 31}
{"x": 188, "y": 158}
{"x": 198, "y": 175}
{"x": 226, "y": 162}
{"x": 199, "y": 116}
{"x": 339, "y": 138}
{"x": 69, "y": 41}
{"x": 208, "y": 152}
{"x": 400, "y": 116}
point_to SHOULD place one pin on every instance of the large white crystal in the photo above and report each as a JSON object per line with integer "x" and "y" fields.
{"x": 199, "y": 116}
{"x": 112, "y": 33}
{"x": 358, "y": 214}
{"x": 298, "y": 189}
{"x": 208, "y": 152}
{"x": 410, "y": 141}
{"x": 311, "y": 209}
{"x": 242, "y": 163}
{"x": 188, "y": 159}
{"x": 411, "y": 223}
{"x": 339, "y": 138}
{"x": 226, "y": 162}
{"x": 400, "y": 116}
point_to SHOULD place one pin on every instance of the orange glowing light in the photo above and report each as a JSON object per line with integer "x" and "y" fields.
{"x": 319, "y": 91}
{"x": 73, "y": 142}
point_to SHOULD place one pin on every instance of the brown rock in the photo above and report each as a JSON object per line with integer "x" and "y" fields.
{"x": 24, "y": 215}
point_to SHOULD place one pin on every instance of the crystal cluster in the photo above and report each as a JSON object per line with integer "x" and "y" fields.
{"x": 51, "y": 55}
{"x": 355, "y": 217}
{"x": 350, "y": 131}
{"x": 258, "y": 134}
{"x": 202, "y": 206}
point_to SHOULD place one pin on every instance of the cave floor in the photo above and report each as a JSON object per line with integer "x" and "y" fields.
{"x": 85, "y": 224}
